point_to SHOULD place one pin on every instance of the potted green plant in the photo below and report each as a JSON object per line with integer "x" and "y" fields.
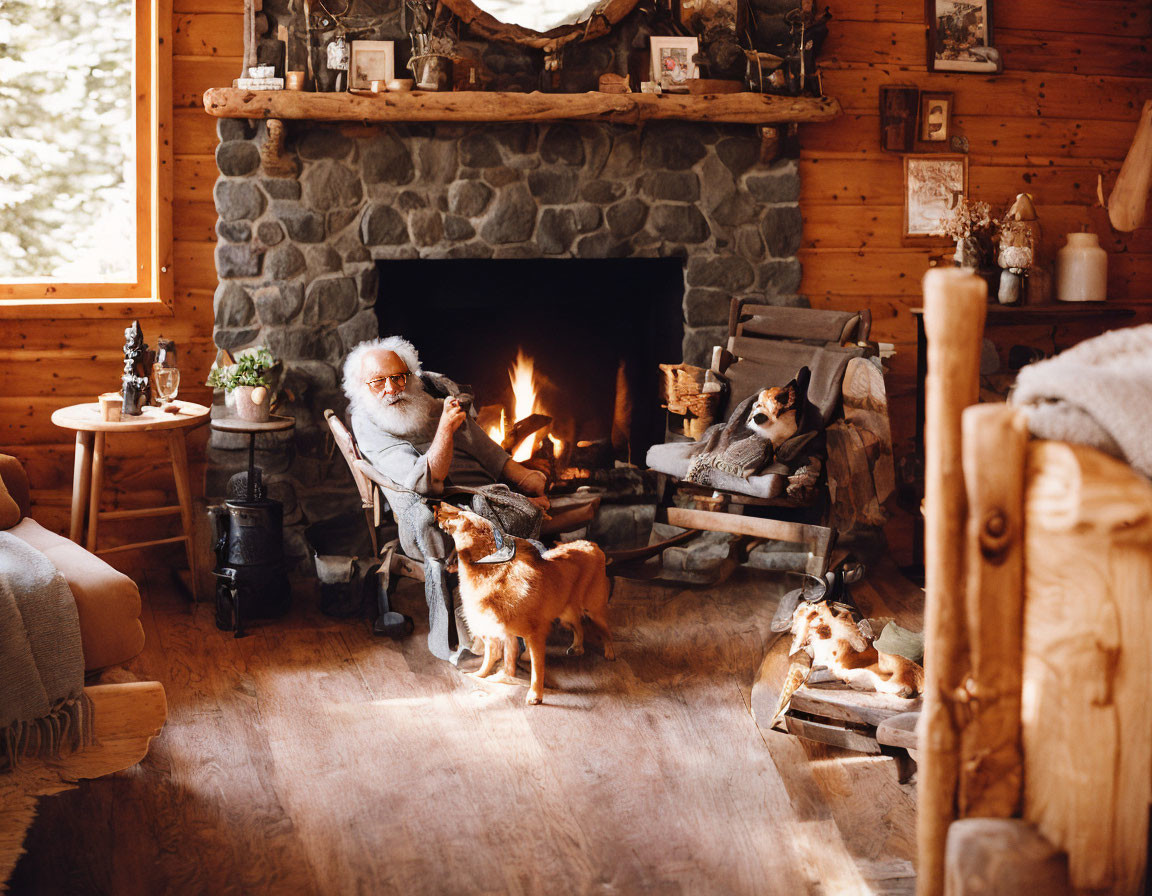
{"x": 247, "y": 383}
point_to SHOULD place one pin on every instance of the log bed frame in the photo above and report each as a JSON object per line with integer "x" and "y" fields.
{"x": 1036, "y": 734}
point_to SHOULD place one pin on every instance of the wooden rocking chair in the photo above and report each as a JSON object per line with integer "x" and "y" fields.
{"x": 392, "y": 561}
{"x": 768, "y": 345}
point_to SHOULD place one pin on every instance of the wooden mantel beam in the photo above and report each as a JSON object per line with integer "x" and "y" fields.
{"x": 468, "y": 106}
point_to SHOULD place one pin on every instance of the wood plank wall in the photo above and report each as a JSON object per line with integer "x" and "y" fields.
{"x": 1076, "y": 73}
{"x": 49, "y": 363}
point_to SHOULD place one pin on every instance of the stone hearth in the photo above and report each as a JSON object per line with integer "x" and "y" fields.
{"x": 297, "y": 255}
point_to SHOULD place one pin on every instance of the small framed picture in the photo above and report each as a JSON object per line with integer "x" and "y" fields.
{"x": 960, "y": 36}
{"x": 935, "y": 117}
{"x": 672, "y": 64}
{"x": 372, "y": 60}
{"x": 898, "y": 117}
{"x": 932, "y": 185}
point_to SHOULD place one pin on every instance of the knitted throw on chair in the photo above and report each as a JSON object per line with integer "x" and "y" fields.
{"x": 43, "y": 708}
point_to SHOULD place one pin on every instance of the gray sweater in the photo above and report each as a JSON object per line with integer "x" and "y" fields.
{"x": 476, "y": 459}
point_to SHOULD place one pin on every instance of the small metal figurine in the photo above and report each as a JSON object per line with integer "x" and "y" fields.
{"x": 135, "y": 388}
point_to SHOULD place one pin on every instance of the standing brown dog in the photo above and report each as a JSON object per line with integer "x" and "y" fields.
{"x": 519, "y": 598}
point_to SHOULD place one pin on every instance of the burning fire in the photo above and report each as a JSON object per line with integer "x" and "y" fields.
{"x": 525, "y": 403}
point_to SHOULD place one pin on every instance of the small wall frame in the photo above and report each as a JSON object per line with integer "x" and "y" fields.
{"x": 935, "y": 120}
{"x": 898, "y": 117}
{"x": 960, "y": 36}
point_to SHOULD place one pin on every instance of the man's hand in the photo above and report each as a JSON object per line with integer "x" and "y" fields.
{"x": 533, "y": 483}
{"x": 526, "y": 481}
{"x": 451, "y": 418}
{"x": 440, "y": 452}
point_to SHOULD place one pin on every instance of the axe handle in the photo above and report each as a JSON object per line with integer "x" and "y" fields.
{"x": 1128, "y": 204}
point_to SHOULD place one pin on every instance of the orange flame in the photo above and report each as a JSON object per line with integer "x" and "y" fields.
{"x": 524, "y": 403}
{"x": 524, "y": 400}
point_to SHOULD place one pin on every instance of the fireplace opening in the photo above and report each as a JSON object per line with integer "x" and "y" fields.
{"x": 574, "y": 340}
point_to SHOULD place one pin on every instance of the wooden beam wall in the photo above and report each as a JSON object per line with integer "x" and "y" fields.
{"x": 1076, "y": 73}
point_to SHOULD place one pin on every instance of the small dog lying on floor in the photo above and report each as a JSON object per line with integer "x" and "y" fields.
{"x": 520, "y": 597}
{"x": 833, "y": 639}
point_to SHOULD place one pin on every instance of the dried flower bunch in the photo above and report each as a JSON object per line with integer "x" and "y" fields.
{"x": 432, "y": 31}
{"x": 968, "y": 218}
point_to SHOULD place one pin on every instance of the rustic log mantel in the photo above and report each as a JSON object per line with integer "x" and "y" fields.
{"x": 467, "y": 106}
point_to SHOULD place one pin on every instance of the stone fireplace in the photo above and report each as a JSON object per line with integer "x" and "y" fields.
{"x": 300, "y": 258}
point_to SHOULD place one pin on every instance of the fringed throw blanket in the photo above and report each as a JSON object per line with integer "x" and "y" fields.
{"x": 1097, "y": 393}
{"x": 42, "y": 703}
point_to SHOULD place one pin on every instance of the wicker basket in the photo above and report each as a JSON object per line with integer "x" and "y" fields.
{"x": 681, "y": 392}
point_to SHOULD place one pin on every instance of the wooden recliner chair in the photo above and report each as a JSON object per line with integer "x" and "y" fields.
{"x": 767, "y": 345}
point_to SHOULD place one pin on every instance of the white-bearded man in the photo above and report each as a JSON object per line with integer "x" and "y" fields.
{"x": 425, "y": 443}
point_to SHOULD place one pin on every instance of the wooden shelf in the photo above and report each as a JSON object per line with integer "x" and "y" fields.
{"x": 466, "y": 106}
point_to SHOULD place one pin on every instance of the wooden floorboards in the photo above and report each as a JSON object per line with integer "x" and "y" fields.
{"x": 311, "y": 757}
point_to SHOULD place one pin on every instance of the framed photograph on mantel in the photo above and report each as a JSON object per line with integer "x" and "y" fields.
{"x": 372, "y": 60}
{"x": 672, "y": 64}
{"x": 932, "y": 184}
{"x": 960, "y": 36}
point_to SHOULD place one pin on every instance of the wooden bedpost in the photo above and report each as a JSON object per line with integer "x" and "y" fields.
{"x": 954, "y": 310}
{"x": 1087, "y": 716}
{"x": 991, "y": 765}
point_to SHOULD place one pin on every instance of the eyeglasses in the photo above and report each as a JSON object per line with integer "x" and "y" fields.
{"x": 395, "y": 380}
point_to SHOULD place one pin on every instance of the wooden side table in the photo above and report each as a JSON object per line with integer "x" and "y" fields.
{"x": 88, "y": 472}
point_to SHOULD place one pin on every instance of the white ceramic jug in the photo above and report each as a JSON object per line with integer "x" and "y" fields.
{"x": 1082, "y": 270}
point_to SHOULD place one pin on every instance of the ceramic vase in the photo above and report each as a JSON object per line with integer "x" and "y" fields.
{"x": 252, "y": 403}
{"x": 1082, "y": 270}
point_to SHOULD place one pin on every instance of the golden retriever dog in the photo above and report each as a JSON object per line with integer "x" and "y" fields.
{"x": 519, "y": 598}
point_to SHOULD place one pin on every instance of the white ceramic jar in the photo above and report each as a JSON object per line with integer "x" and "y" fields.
{"x": 1082, "y": 270}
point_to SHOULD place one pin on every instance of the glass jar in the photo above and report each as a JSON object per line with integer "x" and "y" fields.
{"x": 1082, "y": 270}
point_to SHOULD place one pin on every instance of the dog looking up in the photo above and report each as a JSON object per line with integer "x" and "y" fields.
{"x": 519, "y": 598}
{"x": 776, "y": 415}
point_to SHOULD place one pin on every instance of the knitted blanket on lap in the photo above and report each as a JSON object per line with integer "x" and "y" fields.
{"x": 1097, "y": 393}
{"x": 43, "y": 708}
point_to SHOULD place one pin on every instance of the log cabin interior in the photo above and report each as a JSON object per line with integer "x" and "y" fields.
{"x": 774, "y": 307}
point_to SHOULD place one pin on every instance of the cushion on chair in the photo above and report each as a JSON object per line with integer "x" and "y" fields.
{"x": 9, "y": 509}
{"x": 673, "y": 459}
{"x": 15, "y": 483}
{"x": 107, "y": 601}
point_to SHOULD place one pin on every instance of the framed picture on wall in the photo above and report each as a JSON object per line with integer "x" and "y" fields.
{"x": 898, "y": 126}
{"x": 672, "y": 64}
{"x": 932, "y": 184}
{"x": 936, "y": 117}
{"x": 960, "y": 36}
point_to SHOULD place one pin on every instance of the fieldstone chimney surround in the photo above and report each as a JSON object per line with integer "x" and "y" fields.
{"x": 296, "y": 255}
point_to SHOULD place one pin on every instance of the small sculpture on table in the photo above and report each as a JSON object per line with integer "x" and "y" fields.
{"x": 135, "y": 387}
